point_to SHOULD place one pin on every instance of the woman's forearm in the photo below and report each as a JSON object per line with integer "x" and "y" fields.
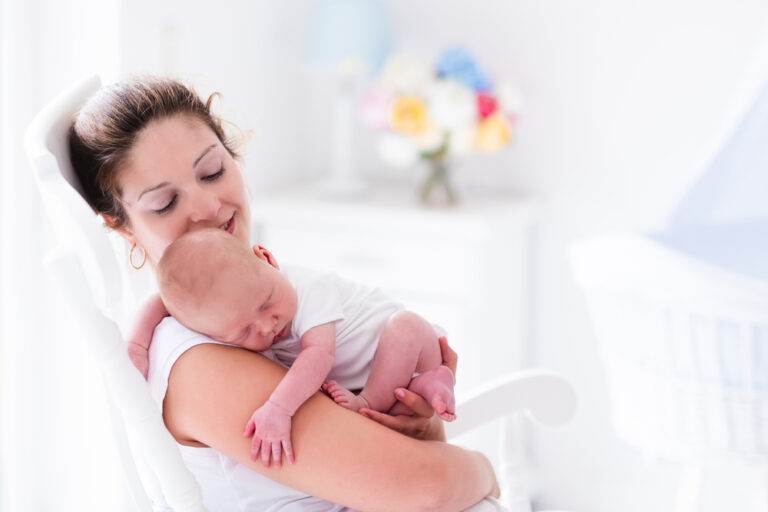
{"x": 340, "y": 456}
{"x": 465, "y": 478}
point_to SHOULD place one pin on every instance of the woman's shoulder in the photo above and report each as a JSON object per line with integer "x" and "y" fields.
{"x": 170, "y": 340}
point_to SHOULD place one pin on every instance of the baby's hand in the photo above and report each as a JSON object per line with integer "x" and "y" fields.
{"x": 139, "y": 357}
{"x": 270, "y": 427}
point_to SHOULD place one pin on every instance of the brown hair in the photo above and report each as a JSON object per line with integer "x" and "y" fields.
{"x": 105, "y": 129}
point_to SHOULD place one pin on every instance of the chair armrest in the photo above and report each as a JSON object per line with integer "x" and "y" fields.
{"x": 545, "y": 396}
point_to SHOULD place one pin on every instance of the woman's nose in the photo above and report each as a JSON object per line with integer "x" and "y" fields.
{"x": 205, "y": 205}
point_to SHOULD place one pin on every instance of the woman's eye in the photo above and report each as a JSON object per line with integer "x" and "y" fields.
{"x": 214, "y": 176}
{"x": 167, "y": 207}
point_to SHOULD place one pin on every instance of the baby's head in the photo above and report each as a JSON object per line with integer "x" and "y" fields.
{"x": 214, "y": 284}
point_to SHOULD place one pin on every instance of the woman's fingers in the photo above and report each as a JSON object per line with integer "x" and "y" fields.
{"x": 414, "y": 402}
{"x": 450, "y": 357}
{"x": 383, "y": 418}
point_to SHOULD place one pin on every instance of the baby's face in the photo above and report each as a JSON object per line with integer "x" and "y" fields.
{"x": 252, "y": 309}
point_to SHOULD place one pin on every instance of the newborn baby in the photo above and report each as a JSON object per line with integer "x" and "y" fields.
{"x": 333, "y": 334}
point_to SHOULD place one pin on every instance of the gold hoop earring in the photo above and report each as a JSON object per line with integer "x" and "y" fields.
{"x": 143, "y": 257}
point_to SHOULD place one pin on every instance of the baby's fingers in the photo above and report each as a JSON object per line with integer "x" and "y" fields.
{"x": 288, "y": 450}
{"x": 250, "y": 427}
{"x": 277, "y": 454}
{"x": 266, "y": 453}
{"x": 255, "y": 448}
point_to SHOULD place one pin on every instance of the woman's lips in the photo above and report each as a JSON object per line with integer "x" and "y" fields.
{"x": 229, "y": 226}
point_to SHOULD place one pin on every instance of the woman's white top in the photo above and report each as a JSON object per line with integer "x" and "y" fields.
{"x": 226, "y": 484}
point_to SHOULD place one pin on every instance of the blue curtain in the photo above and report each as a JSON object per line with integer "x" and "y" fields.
{"x": 723, "y": 219}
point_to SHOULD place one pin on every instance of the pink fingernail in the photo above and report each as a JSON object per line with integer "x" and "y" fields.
{"x": 400, "y": 393}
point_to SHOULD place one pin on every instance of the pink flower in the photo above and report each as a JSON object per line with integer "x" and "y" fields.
{"x": 486, "y": 104}
{"x": 375, "y": 110}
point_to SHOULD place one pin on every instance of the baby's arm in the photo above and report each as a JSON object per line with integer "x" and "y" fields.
{"x": 150, "y": 314}
{"x": 270, "y": 425}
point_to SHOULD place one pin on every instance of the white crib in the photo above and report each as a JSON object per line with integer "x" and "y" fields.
{"x": 685, "y": 351}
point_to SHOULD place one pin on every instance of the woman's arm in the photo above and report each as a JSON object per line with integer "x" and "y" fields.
{"x": 340, "y": 456}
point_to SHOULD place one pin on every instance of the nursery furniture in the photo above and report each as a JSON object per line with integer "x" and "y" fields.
{"x": 685, "y": 349}
{"x": 90, "y": 270}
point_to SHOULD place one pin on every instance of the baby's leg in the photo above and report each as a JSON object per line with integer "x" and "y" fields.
{"x": 407, "y": 345}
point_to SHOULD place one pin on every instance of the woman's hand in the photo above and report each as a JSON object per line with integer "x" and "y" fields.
{"x": 422, "y": 424}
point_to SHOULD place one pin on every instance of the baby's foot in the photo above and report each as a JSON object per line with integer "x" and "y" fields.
{"x": 343, "y": 396}
{"x": 436, "y": 386}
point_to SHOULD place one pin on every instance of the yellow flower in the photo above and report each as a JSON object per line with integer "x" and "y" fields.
{"x": 493, "y": 133}
{"x": 409, "y": 116}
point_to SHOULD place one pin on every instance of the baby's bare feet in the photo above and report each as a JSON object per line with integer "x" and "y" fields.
{"x": 343, "y": 396}
{"x": 436, "y": 386}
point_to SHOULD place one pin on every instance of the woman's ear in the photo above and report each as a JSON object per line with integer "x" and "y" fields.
{"x": 265, "y": 255}
{"x": 120, "y": 228}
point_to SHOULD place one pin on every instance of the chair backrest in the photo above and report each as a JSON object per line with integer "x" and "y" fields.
{"x": 76, "y": 225}
{"x": 86, "y": 268}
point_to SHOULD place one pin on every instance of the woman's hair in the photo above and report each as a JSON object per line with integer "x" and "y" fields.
{"x": 105, "y": 129}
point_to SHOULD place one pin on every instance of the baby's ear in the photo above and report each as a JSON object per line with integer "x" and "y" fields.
{"x": 265, "y": 255}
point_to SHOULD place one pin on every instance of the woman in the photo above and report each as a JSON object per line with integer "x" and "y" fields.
{"x": 155, "y": 163}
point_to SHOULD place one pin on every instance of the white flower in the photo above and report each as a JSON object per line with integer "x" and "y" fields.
{"x": 398, "y": 150}
{"x": 406, "y": 75}
{"x": 430, "y": 140}
{"x": 462, "y": 141}
{"x": 451, "y": 105}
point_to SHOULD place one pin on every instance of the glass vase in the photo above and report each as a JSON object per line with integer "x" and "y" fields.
{"x": 437, "y": 189}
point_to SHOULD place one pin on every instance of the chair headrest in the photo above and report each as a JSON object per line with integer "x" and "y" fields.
{"x": 49, "y": 131}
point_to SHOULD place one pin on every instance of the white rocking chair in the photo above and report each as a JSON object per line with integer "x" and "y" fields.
{"x": 86, "y": 268}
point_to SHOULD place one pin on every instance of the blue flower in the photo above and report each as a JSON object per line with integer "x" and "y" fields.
{"x": 458, "y": 64}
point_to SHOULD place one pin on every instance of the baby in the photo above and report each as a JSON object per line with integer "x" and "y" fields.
{"x": 333, "y": 334}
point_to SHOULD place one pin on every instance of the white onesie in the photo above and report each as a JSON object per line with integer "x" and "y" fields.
{"x": 358, "y": 311}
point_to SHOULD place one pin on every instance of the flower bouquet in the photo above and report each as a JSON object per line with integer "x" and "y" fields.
{"x": 431, "y": 114}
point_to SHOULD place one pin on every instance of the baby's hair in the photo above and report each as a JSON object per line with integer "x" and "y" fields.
{"x": 190, "y": 265}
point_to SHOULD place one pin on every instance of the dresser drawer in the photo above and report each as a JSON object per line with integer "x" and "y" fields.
{"x": 441, "y": 268}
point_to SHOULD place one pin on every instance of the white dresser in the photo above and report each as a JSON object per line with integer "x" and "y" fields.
{"x": 467, "y": 268}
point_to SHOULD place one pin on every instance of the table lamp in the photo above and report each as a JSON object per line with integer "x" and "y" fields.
{"x": 353, "y": 37}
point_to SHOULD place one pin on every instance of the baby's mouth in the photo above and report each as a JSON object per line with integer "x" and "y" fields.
{"x": 280, "y": 335}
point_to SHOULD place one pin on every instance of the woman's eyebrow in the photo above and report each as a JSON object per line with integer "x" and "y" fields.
{"x": 205, "y": 151}
{"x": 161, "y": 185}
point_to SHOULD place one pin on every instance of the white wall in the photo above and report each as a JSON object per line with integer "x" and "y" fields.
{"x": 624, "y": 102}
{"x": 56, "y": 447}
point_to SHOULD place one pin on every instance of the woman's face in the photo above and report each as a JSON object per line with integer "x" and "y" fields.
{"x": 178, "y": 177}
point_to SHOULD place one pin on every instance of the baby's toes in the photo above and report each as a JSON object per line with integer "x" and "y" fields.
{"x": 447, "y": 416}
